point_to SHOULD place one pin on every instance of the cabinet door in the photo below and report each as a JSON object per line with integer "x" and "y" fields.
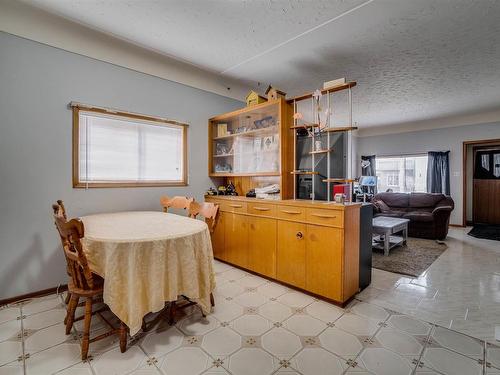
{"x": 324, "y": 261}
{"x": 218, "y": 237}
{"x": 235, "y": 239}
{"x": 291, "y": 253}
{"x": 262, "y": 245}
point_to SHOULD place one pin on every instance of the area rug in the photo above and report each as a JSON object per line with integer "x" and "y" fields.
{"x": 412, "y": 259}
{"x": 489, "y": 232}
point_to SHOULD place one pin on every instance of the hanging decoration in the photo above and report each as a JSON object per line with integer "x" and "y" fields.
{"x": 321, "y": 118}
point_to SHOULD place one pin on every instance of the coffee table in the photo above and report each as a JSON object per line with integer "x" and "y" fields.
{"x": 385, "y": 229}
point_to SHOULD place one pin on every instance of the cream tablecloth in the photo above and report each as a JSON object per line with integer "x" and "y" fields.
{"x": 147, "y": 258}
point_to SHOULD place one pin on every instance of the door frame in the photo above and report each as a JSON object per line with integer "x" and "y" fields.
{"x": 464, "y": 172}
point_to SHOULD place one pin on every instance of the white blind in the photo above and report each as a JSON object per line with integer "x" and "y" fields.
{"x": 121, "y": 149}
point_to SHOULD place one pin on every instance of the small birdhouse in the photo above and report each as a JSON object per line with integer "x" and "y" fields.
{"x": 273, "y": 94}
{"x": 254, "y": 98}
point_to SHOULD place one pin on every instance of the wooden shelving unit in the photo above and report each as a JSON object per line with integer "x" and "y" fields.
{"x": 328, "y": 130}
{"x": 320, "y": 152}
{"x": 257, "y": 150}
{"x": 341, "y": 180}
{"x": 305, "y": 126}
{"x": 304, "y": 172}
{"x": 346, "y": 86}
{"x": 342, "y": 129}
{"x": 251, "y": 133}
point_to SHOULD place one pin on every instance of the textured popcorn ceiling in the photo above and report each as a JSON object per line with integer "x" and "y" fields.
{"x": 414, "y": 60}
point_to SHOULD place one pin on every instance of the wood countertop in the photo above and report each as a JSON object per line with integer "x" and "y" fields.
{"x": 288, "y": 202}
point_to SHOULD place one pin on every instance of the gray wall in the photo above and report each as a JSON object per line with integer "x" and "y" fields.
{"x": 36, "y": 84}
{"x": 433, "y": 140}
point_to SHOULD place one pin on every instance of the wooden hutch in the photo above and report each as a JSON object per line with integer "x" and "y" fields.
{"x": 308, "y": 244}
{"x": 253, "y": 147}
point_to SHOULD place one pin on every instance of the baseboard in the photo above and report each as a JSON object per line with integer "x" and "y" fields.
{"x": 39, "y": 293}
{"x": 457, "y": 225}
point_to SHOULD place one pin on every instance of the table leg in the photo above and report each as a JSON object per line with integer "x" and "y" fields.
{"x": 387, "y": 243}
{"x": 405, "y": 235}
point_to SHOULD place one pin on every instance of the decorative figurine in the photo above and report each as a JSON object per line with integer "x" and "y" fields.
{"x": 231, "y": 189}
{"x": 211, "y": 191}
{"x": 221, "y": 190}
{"x": 273, "y": 94}
{"x": 254, "y": 98}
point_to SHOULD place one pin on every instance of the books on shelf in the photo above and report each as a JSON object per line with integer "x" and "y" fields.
{"x": 221, "y": 130}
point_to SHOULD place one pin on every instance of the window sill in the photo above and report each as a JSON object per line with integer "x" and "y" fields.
{"x": 91, "y": 185}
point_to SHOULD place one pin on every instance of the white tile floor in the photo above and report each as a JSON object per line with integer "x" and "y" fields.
{"x": 260, "y": 327}
{"x": 461, "y": 289}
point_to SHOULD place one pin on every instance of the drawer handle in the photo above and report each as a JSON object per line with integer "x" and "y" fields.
{"x": 324, "y": 216}
{"x": 299, "y": 235}
{"x": 261, "y": 208}
{"x": 291, "y": 212}
{"x": 235, "y": 205}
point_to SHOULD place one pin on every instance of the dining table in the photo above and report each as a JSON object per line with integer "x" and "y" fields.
{"x": 147, "y": 259}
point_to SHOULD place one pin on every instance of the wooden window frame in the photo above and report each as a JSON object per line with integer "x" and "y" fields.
{"x": 77, "y": 107}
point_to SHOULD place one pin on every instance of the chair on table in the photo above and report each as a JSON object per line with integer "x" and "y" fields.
{"x": 207, "y": 210}
{"x": 82, "y": 283}
{"x": 175, "y": 202}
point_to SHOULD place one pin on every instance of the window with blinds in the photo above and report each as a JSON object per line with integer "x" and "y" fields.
{"x": 118, "y": 149}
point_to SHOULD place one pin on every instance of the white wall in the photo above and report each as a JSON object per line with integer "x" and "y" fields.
{"x": 450, "y": 138}
{"x": 37, "y": 83}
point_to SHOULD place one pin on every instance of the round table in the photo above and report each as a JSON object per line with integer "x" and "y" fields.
{"x": 148, "y": 258}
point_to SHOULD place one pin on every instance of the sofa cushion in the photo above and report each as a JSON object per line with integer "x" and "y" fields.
{"x": 381, "y": 206}
{"x": 418, "y": 200}
{"x": 400, "y": 200}
{"x": 421, "y": 216}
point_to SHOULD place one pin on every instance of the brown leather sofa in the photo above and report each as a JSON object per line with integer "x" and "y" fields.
{"x": 429, "y": 214}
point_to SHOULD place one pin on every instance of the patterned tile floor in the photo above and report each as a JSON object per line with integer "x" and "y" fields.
{"x": 260, "y": 327}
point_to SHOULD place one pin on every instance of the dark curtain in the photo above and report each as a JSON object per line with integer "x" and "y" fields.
{"x": 369, "y": 170}
{"x": 438, "y": 172}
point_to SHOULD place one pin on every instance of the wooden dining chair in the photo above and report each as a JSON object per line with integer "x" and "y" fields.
{"x": 60, "y": 210}
{"x": 209, "y": 212}
{"x": 82, "y": 283}
{"x": 175, "y": 202}
{"x": 206, "y": 209}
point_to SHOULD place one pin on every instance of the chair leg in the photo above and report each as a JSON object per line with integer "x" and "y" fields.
{"x": 70, "y": 314}
{"x": 171, "y": 313}
{"x": 212, "y": 300}
{"x": 123, "y": 337}
{"x": 68, "y": 297}
{"x": 86, "y": 327}
{"x": 67, "y": 300}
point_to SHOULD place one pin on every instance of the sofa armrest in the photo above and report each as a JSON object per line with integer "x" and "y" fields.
{"x": 440, "y": 209}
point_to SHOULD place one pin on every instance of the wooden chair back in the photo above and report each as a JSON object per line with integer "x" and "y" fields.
{"x": 60, "y": 211}
{"x": 175, "y": 202}
{"x": 71, "y": 233}
{"x": 206, "y": 209}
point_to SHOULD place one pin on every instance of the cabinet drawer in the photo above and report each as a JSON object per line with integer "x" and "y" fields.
{"x": 332, "y": 218}
{"x": 291, "y": 213}
{"x": 261, "y": 209}
{"x": 233, "y": 206}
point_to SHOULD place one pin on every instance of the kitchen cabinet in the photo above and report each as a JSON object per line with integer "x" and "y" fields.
{"x": 291, "y": 260}
{"x": 309, "y": 245}
{"x": 262, "y": 245}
